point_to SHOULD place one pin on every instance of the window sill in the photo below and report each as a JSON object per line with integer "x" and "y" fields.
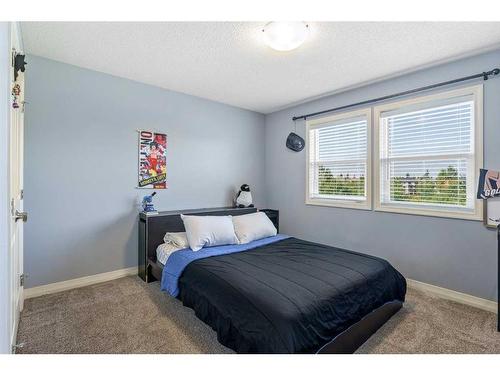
{"x": 358, "y": 205}
{"x": 477, "y": 215}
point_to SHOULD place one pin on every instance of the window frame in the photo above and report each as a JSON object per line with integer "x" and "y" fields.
{"x": 476, "y": 92}
{"x": 342, "y": 203}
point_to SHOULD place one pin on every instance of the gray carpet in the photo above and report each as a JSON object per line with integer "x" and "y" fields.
{"x": 129, "y": 316}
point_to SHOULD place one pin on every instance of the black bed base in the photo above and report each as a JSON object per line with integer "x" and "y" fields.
{"x": 353, "y": 337}
{"x": 346, "y": 342}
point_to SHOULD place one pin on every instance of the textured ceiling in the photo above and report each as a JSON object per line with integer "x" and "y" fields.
{"x": 228, "y": 62}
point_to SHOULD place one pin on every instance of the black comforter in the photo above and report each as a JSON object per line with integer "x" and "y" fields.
{"x": 291, "y": 296}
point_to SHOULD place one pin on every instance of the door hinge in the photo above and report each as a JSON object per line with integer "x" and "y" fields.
{"x": 13, "y": 57}
{"x": 22, "y": 194}
{"x": 22, "y": 278}
{"x": 17, "y": 346}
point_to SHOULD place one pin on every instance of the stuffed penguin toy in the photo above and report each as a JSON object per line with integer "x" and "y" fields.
{"x": 244, "y": 197}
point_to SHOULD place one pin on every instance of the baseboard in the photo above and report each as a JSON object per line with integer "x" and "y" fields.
{"x": 466, "y": 299}
{"x": 448, "y": 294}
{"x": 78, "y": 283}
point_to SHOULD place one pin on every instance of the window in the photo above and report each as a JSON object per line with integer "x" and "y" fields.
{"x": 428, "y": 154}
{"x": 338, "y": 166}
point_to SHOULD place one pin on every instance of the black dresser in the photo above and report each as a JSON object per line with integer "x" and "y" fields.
{"x": 152, "y": 229}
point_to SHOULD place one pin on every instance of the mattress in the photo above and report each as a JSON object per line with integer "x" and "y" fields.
{"x": 291, "y": 296}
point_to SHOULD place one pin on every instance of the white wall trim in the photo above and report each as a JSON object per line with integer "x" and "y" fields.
{"x": 437, "y": 291}
{"x": 466, "y": 299}
{"x": 78, "y": 283}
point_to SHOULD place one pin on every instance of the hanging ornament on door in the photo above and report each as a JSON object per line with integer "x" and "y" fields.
{"x": 16, "y": 91}
{"x": 19, "y": 64}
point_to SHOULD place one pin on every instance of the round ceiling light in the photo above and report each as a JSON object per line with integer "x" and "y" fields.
{"x": 285, "y": 36}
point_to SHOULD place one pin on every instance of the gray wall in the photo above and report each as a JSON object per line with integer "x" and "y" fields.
{"x": 455, "y": 254}
{"x": 81, "y": 161}
{"x": 80, "y": 175}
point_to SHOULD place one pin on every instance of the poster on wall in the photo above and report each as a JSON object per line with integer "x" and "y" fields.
{"x": 152, "y": 160}
{"x": 489, "y": 184}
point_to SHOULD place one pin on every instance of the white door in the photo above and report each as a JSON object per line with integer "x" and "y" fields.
{"x": 16, "y": 197}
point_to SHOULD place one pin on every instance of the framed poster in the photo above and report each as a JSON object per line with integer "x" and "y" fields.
{"x": 491, "y": 212}
{"x": 489, "y": 184}
{"x": 152, "y": 160}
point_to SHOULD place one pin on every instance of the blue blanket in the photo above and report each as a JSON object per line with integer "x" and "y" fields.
{"x": 178, "y": 261}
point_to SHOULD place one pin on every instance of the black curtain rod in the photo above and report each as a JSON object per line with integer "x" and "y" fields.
{"x": 484, "y": 75}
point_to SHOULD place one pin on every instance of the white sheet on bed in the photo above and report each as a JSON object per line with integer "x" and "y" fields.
{"x": 164, "y": 251}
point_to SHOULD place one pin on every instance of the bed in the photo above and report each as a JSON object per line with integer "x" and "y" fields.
{"x": 282, "y": 294}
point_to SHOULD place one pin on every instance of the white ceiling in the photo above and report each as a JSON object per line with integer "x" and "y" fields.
{"x": 228, "y": 62}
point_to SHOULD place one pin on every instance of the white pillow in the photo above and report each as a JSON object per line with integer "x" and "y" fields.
{"x": 178, "y": 239}
{"x": 253, "y": 227}
{"x": 207, "y": 231}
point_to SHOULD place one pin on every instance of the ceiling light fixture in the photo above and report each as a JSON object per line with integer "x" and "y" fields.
{"x": 285, "y": 36}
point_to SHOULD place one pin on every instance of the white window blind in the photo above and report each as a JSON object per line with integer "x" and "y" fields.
{"x": 338, "y": 154}
{"x": 427, "y": 155}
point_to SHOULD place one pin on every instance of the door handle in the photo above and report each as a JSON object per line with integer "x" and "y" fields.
{"x": 21, "y": 216}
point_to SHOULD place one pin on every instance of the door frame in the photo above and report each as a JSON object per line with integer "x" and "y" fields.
{"x": 11, "y": 261}
{"x": 5, "y": 334}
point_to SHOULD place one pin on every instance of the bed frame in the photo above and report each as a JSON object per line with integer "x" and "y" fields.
{"x": 152, "y": 228}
